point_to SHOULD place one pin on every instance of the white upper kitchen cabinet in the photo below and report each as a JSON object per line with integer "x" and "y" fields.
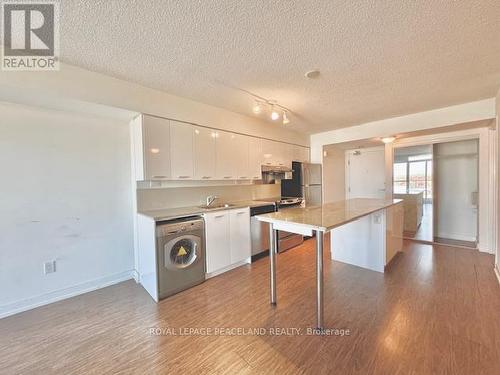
{"x": 218, "y": 242}
{"x": 239, "y": 222}
{"x": 300, "y": 154}
{"x": 181, "y": 150}
{"x": 227, "y": 155}
{"x": 269, "y": 152}
{"x": 241, "y": 144}
{"x": 296, "y": 153}
{"x": 305, "y": 154}
{"x": 276, "y": 153}
{"x": 283, "y": 155}
{"x": 287, "y": 155}
{"x": 151, "y": 142}
{"x": 255, "y": 158}
{"x": 204, "y": 153}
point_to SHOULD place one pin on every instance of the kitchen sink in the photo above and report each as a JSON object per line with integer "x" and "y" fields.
{"x": 216, "y": 206}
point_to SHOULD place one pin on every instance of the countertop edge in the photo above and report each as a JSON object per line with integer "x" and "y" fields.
{"x": 327, "y": 229}
{"x": 198, "y": 211}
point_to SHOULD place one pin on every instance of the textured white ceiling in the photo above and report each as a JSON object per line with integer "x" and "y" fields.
{"x": 378, "y": 59}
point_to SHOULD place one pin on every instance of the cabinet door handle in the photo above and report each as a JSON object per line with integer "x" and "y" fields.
{"x": 240, "y": 213}
{"x": 184, "y": 176}
{"x": 243, "y": 177}
{"x": 159, "y": 176}
{"x": 228, "y": 176}
{"x": 219, "y": 216}
{"x": 206, "y": 177}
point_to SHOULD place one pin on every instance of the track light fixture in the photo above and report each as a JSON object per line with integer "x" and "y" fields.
{"x": 258, "y": 107}
{"x": 269, "y": 107}
{"x": 286, "y": 120}
{"x": 274, "y": 114}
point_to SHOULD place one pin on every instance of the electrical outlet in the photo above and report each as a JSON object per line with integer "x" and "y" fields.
{"x": 49, "y": 267}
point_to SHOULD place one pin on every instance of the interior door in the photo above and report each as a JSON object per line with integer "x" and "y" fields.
{"x": 365, "y": 173}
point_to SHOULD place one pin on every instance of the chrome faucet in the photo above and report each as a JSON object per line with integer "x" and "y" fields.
{"x": 211, "y": 199}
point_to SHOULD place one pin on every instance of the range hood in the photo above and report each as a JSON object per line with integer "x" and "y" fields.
{"x": 276, "y": 169}
{"x": 275, "y": 173}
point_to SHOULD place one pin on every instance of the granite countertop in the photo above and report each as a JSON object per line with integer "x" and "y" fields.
{"x": 175, "y": 213}
{"x": 329, "y": 215}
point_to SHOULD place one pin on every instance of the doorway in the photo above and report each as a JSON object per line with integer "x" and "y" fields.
{"x": 413, "y": 182}
{"x": 439, "y": 186}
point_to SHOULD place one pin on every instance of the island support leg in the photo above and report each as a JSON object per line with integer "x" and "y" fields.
{"x": 319, "y": 280}
{"x": 273, "y": 248}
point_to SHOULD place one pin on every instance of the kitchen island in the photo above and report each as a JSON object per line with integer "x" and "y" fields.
{"x": 364, "y": 232}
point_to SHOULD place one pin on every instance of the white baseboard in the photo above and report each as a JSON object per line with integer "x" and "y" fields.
{"x": 484, "y": 249}
{"x": 457, "y": 236}
{"x": 228, "y": 268}
{"x": 136, "y": 276}
{"x": 58, "y": 295}
{"x": 497, "y": 272}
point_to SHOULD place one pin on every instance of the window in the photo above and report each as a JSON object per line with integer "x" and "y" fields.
{"x": 400, "y": 182}
{"x": 420, "y": 157}
{"x": 414, "y": 175}
{"x": 417, "y": 177}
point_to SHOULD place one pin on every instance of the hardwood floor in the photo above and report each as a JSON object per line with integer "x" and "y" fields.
{"x": 425, "y": 229}
{"x": 435, "y": 311}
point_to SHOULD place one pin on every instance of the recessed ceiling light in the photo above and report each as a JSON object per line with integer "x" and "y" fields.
{"x": 312, "y": 74}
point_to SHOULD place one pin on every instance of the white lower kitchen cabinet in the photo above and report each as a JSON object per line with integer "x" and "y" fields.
{"x": 239, "y": 223}
{"x": 218, "y": 245}
{"x": 227, "y": 240}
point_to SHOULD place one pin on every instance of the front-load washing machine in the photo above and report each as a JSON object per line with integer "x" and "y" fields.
{"x": 180, "y": 249}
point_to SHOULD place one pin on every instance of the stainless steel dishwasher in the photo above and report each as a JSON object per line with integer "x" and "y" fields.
{"x": 260, "y": 230}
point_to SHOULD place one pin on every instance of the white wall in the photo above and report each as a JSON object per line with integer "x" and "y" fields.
{"x": 333, "y": 174}
{"x": 458, "y": 114}
{"x": 65, "y": 195}
{"x": 71, "y": 84}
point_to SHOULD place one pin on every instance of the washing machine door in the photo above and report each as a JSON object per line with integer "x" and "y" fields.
{"x": 181, "y": 252}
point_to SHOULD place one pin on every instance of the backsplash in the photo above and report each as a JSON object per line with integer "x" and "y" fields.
{"x": 152, "y": 199}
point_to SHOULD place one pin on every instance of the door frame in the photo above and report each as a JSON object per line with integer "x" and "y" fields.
{"x": 487, "y": 215}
